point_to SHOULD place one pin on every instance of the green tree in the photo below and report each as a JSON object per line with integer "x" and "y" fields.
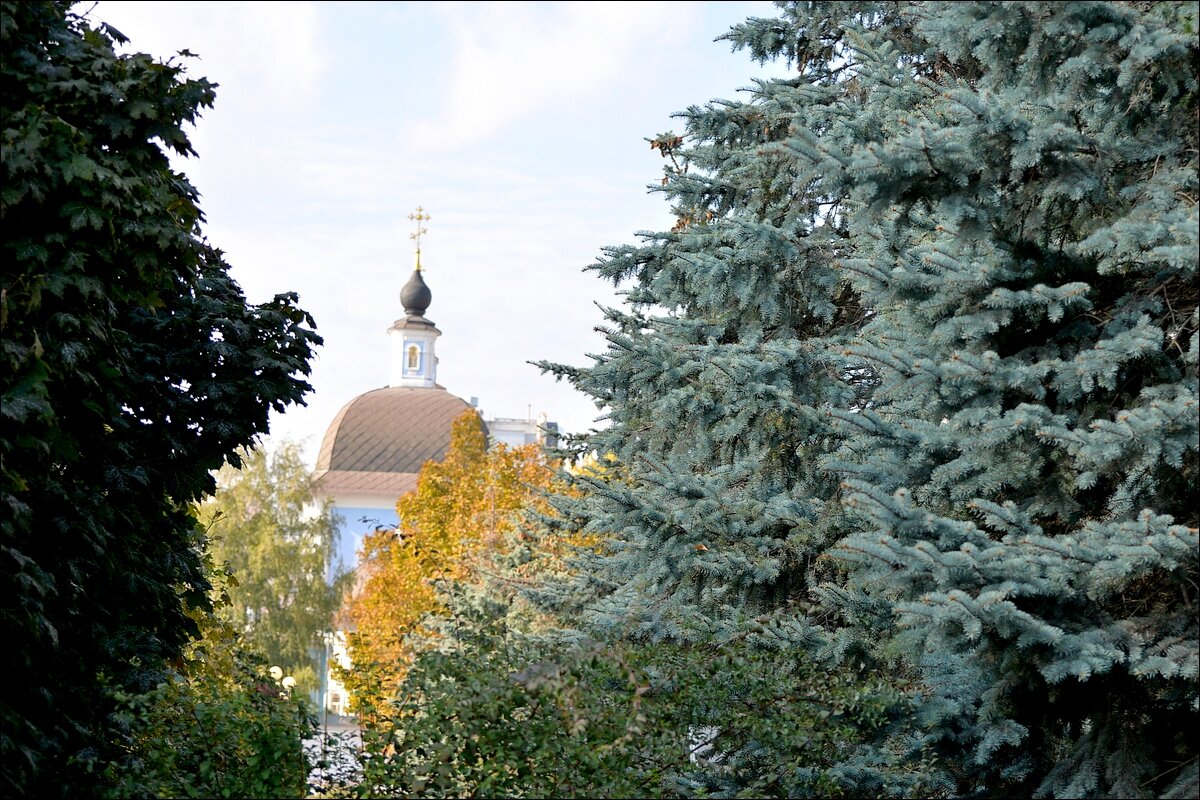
{"x": 461, "y": 510}
{"x": 496, "y": 712}
{"x": 133, "y": 367}
{"x": 220, "y": 724}
{"x": 510, "y": 702}
{"x": 278, "y": 548}
{"x": 914, "y": 380}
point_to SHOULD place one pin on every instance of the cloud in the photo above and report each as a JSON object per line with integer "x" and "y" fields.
{"x": 260, "y": 53}
{"x": 512, "y": 59}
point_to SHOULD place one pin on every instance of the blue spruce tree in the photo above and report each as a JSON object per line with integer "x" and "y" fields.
{"x": 914, "y": 380}
{"x": 712, "y": 500}
{"x": 1025, "y": 232}
{"x": 713, "y": 505}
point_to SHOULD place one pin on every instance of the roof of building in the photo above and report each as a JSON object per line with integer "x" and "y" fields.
{"x": 379, "y": 440}
{"x": 393, "y": 485}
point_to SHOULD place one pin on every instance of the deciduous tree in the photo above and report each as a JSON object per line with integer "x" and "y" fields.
{"x": 133, "y": 366}
{"x": 264, "y": 530}
{"x": 464, "y": 504}
{"x": 220, "y": 724}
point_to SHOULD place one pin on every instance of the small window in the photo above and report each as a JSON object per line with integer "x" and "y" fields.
{"x": 414, "y": 358}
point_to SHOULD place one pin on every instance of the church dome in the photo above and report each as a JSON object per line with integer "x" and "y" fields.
{"x": 379, "y": 440}
{"x": 415, "y": 296}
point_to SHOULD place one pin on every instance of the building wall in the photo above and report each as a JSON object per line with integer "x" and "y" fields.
{"x": 350, "y": 513}
{"x": 516, "y": 432}
{"x": 351, "y": 527}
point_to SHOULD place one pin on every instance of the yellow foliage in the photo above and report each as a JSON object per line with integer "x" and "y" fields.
{"x": 461, "y": 510}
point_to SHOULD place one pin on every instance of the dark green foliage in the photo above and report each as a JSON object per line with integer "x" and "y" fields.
{"x": 497, "y": 713}
{"x": 220, "y": 725}
{"x": 133, "y": 367}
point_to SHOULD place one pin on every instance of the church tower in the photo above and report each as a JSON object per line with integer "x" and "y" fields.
{"x": 377, "y": 443}
{"x": 414, "y": 358}
{"x": 375, "y": 447}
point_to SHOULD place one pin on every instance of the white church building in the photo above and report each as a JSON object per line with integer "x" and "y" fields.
{"x": 375, "y": 446}
{"x": 377, "y": 443}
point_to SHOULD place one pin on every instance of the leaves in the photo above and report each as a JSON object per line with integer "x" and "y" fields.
{"x": 278, "y": 550}
{"x": 462, "y": 507}
{"x": 132, "y": 367}
{"x": 218, "y": 725}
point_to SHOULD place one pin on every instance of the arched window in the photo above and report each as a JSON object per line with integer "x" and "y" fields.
{"x": 414, "y": 357}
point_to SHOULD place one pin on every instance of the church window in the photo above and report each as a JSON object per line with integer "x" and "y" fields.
{"x": 414, "y": 358}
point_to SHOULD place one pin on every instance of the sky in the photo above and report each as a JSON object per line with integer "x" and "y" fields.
{"x": 520, "y": 128}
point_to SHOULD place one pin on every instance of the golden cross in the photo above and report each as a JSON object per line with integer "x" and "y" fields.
{"x": 419, "y": 217}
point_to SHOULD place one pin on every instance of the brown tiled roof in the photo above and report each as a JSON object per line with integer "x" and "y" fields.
{"x": 380, "y": 439}
{"x": 392, "y": 484}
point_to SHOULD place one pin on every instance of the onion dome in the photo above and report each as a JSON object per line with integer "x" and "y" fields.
{"x": 415, "y": 296}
